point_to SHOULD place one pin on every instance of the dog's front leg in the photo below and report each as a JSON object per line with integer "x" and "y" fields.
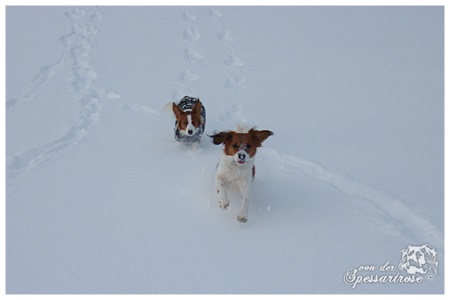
{"x": 222, "y": 193}
{"x": 243, "y": 214}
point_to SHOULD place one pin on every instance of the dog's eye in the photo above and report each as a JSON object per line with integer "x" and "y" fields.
{"x": 249, "y": 146}
{"x": 235, "y": 146}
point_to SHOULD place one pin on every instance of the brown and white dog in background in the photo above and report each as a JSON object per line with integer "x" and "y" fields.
{"x": 190, "y": 121}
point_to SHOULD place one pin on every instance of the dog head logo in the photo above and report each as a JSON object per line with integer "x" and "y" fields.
{"x": 418, "y": 260}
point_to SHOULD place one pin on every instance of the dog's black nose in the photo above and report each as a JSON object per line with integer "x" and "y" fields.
{"x": 241, "y": 156}
{"x": 190, "y": 131}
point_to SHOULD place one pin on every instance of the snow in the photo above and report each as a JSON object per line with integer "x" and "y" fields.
{"x": 100, "y": 198}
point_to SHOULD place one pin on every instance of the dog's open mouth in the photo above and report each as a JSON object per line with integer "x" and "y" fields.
{"x": 241, "y": 162}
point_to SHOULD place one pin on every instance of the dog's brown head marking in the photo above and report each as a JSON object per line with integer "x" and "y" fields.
{"x": 235, "y": 142}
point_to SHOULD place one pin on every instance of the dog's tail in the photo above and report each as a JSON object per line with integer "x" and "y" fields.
{"x": 168, "y": 106}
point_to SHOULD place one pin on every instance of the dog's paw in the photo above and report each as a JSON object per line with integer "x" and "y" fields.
{"x": 224, "y": 204}
{"x": 242, "y": 219}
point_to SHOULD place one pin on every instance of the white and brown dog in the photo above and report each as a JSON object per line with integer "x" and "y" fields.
{"x": 236, "y": 166}
{"x": 190, "y": 120}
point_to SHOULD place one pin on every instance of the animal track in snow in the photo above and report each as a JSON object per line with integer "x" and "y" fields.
{"x": 224, "y": 36}
{"x": 394, "y": 209}
{"x": 76, "y": 52}
{"x": 215, "y": 13}
{"x": 191, "y": 34}
{"x": 45, "y": 73}
{"x": 232, "y": 82}
{"x": 192, "y": 55}
{"x": 233, "y": 61}
{"x": 233, "y": 78}
{"x": 187, "y": 75}
{"x": 75, "y": 13}
{"x": 189, "y": 17}
{"x": 235, "y": 114}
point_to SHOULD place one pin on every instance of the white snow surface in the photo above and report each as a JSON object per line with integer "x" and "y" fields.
{"x": 100, "y": 198}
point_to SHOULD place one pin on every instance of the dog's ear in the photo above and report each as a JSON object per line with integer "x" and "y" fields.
{"x": 222, "y": 137}
{"x": 176, "y": 110}
{"x": 197, "y": 109}
{"x": 260, "y": 135}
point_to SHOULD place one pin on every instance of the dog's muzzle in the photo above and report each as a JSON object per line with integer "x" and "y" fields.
{"x": 241, "y": 157}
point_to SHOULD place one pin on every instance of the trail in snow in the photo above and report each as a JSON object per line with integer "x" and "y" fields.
{"x": 194, "y": 40}
{"x": 234, "y": 76}
{"x": 191, "y": 54}
{"x": 47, "y": 72}
{"x": 394, "y": 208}
{"x": 76, "y": 48}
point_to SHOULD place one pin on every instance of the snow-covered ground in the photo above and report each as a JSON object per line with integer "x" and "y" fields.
{"x": 100, "y": 198}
